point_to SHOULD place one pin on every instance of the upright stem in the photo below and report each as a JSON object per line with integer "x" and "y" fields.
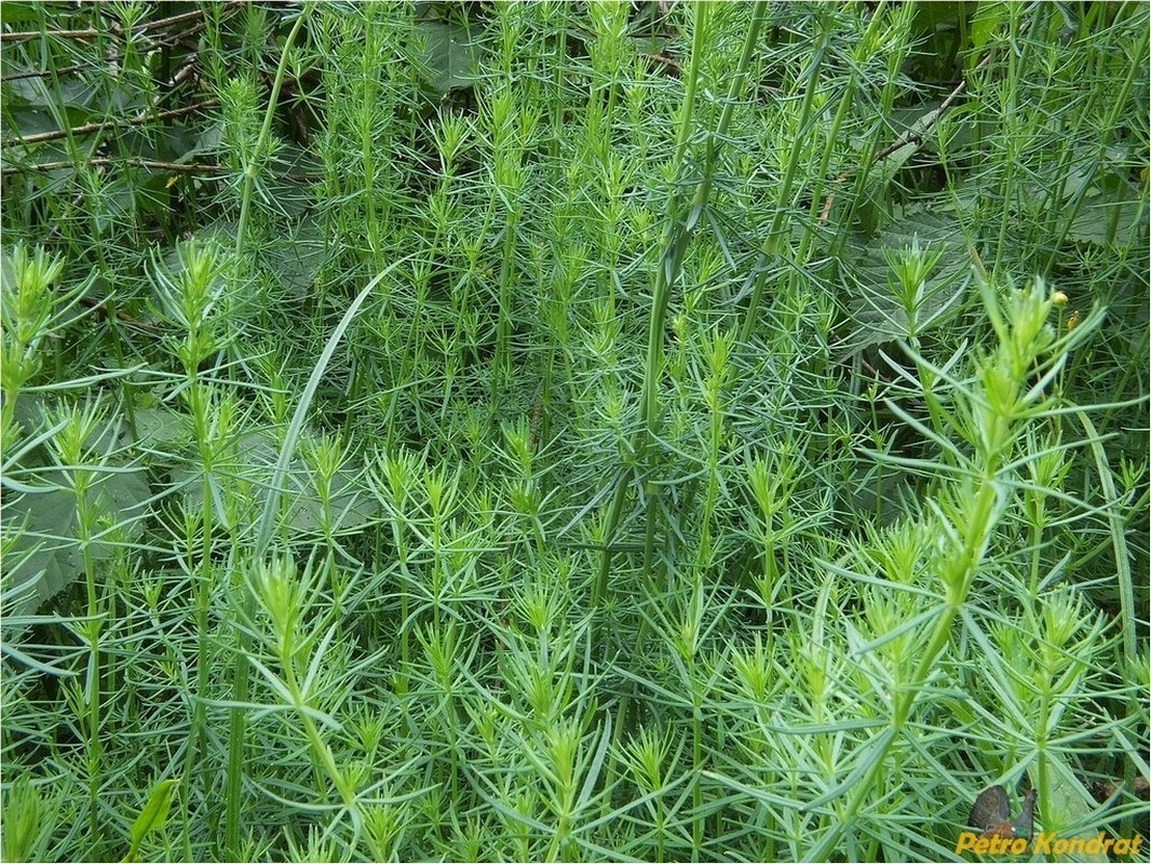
{"x": 673, "y": 245}
{"x": 666, "y": 272}
{"x": 774, "y": 239}
{"x": 238, "y": 723}
{"x": 251, "y": 169}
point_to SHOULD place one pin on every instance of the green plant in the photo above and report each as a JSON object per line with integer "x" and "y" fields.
{"x": 558, "y": 432}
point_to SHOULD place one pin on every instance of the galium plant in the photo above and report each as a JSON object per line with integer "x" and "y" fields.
{"x": 554, "y": 433}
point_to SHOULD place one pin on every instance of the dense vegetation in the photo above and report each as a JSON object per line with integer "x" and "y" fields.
{"x": 571, "y": 431}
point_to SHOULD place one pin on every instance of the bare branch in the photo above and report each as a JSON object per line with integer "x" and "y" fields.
{"x": 88, "y": 128}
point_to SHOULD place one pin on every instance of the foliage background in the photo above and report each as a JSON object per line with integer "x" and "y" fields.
{"x": 420, "y": 573}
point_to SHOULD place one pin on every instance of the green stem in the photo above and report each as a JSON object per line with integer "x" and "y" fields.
{"x": 774, "y": 240}
{"x": 251, "y": 169}
{"x": 673, "y": 245}
{"x": 93, "y": 626}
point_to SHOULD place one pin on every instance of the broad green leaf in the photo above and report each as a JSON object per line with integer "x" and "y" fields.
{"x": 450, "y": 57}
{"x": 350, "y": 505}
{"x": 1068, "y": 803}
{"x": 874, "y": 310}
{"x": 41, "y": 552}
{"x": 17, "y": 12}
{"x": 933, "y": 16}
{"x": 153, "y": 816}
{"x": 1108, "y": 213}
{"x": 161, "y": 427}
{"x": 296, "y": 258}
{"x": 984, "y": 23}
{"x": 920, "y": 127}
{"x": 45, "y": 552}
